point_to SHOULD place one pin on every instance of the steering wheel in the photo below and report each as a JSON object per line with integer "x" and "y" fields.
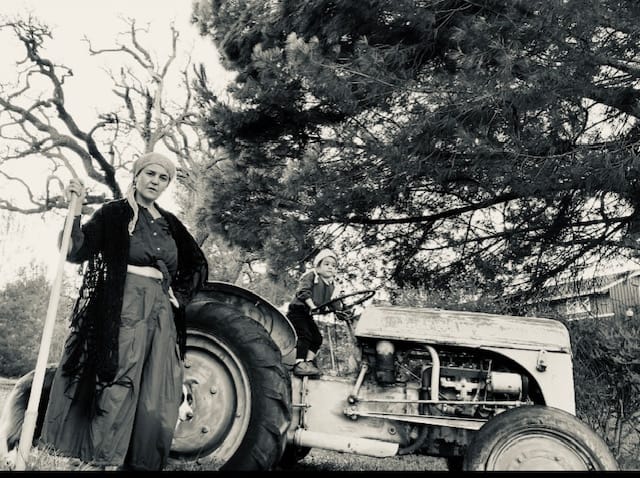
{"x": 348, "y": 300}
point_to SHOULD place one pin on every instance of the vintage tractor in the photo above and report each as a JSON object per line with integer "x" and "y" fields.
{"x": 487, "y": 392}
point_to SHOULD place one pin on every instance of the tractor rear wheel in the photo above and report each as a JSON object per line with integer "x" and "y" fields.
{"x": 292, "y": 455}
{"x": 242, "y": 399}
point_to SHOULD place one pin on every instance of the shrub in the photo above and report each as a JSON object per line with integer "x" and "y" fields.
{"x": 23, "y": 309}
{"x": 607, "y": 378}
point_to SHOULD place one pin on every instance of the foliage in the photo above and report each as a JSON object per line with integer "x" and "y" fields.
{"x": 493, "y": 139}
{"x": 463, "y": 294}
{"x": 607, "y": 376}
{"x": 23, "y": 309}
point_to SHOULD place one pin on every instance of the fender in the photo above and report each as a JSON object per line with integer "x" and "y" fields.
{"x": 253, "y": 306}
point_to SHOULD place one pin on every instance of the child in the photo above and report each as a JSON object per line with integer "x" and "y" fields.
{"x": 314, "y": 288}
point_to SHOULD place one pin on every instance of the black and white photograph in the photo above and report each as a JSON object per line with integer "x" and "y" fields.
{"x": 320, "y": 236}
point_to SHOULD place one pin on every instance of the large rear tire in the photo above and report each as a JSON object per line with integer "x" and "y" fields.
{"x": 537, "y": 438}
{"x": 242, "y": 406}
{"x": 292, "y": 455}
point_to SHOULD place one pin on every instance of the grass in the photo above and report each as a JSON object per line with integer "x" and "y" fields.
{"x": 316, "y": 460}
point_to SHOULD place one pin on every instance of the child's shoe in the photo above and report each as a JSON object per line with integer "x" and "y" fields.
{"x": 306, "y": 369}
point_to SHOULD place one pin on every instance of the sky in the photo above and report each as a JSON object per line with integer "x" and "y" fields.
{"x": 102, "y": 23}
{"x": 33, "y": 239}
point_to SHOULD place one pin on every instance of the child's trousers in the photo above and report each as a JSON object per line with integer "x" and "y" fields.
{"x": 309, "y": 336}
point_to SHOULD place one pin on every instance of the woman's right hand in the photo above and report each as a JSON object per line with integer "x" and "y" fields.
{"x": 76, "y": 187}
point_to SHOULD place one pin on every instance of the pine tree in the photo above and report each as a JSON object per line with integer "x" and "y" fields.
{"x": 451, "y": 137}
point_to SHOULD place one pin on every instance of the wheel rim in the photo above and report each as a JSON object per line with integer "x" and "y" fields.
{"x": 540, "y": 450}
{"x": 222, "y": 401}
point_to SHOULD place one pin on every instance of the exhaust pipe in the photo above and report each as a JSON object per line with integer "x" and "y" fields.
{"x": 359, "y": 446}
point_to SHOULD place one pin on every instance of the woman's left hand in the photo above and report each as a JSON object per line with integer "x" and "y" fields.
{"x": 172, "y": 299}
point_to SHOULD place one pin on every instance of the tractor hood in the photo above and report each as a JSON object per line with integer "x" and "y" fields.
{"x": 466, "y": 329}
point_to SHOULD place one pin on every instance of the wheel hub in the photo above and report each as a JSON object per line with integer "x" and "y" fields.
{"x": 222, "y": 402}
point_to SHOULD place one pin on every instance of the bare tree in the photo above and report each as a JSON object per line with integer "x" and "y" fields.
{"x": 155, "y": 109}
{"x": 36, "y": 124}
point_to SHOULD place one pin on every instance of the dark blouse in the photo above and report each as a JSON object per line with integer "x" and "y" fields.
{"x": 151, "y": 242}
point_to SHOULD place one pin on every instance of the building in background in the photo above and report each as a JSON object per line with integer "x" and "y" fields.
{"x": 601, "y": 296}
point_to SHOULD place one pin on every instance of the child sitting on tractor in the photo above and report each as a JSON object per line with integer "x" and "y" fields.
{"x": 315, "y": 288}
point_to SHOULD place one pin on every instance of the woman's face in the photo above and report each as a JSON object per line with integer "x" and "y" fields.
{"x": 151, "y": 183}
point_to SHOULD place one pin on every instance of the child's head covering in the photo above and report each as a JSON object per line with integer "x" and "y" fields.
{"x": 323, "y": 254}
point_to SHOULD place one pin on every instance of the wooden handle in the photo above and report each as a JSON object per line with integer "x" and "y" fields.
{"x": 31, "y": 414}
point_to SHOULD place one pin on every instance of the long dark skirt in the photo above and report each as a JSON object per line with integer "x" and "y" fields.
{"x": 138, "y": 422}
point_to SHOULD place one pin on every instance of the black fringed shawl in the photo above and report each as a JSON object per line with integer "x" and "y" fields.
{"x": 92, "y": 346}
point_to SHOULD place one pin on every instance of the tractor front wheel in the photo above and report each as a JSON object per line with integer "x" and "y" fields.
{"x": 537, "y": 438}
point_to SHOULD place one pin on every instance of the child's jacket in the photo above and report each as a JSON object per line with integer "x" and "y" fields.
{"x": 312, "y": 285}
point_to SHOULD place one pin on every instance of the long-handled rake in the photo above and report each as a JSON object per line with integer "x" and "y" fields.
{"x": 31, "y": 414}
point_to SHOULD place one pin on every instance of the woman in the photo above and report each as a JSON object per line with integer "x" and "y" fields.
{"x": 114, "y": 400}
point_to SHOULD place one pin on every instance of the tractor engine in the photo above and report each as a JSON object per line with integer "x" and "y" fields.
{"x": 469, "y": 384}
